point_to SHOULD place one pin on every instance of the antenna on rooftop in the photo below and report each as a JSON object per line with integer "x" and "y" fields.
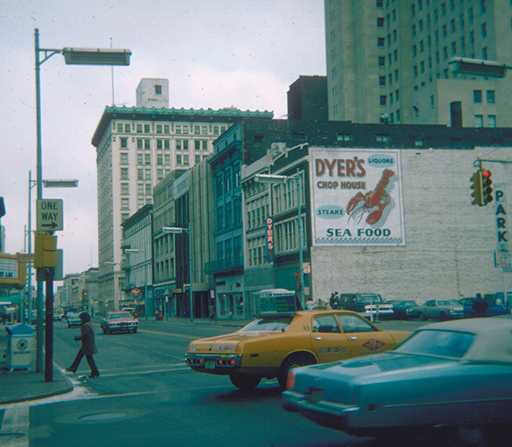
{"x": 112, "y": 71}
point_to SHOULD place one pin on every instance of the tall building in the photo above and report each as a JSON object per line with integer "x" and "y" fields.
{"x": 388, "y": 61}
{"x": 136, "y": 147}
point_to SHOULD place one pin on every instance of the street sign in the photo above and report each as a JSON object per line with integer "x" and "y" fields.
{"x": 50, "y": 215}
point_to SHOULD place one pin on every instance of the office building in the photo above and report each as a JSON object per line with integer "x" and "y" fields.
{"x": 389, "y": 61}
{"x": 137, "y": 147}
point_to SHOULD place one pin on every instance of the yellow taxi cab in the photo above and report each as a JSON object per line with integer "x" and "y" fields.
{"x": 280, "y": 340}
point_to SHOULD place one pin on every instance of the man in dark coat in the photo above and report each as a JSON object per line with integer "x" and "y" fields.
{"x": 480, "y": 306}
{"x": 88, "y": 348}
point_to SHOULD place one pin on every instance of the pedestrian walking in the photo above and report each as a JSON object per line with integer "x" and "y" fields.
{"x": 88, "y": 348}
{"x": 480, "y": 306}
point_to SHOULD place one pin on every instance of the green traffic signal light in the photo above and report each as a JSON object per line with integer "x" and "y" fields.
{"x": 486, "y": 187}
{"x": 476, "y": 186}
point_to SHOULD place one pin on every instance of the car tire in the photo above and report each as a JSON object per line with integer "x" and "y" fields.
{"x": 422, "y": 316}
{"x": 293, "y": 361}
{"x": 244, "y": 382}
{"x": 135, "y": 331}
{"x": 443, "y": 316}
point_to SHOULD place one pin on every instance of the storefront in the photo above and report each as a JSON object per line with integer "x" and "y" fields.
{"x": 230, "y": 298}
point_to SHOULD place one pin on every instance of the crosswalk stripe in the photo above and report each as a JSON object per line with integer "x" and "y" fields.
{"x": 14, "y": 429}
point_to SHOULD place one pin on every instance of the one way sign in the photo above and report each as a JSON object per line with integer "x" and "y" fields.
{"x": 50, "y": 215}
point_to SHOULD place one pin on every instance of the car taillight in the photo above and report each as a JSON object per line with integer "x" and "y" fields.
{"x": 290, "y": 382}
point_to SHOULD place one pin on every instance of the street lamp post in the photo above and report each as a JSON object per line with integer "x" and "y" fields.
{"x": 180, "y": 230}
{"x": 273, "y": 179}
{"x": 75, "y": 56}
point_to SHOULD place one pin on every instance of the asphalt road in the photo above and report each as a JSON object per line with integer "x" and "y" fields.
{"x": 146, "y": 396}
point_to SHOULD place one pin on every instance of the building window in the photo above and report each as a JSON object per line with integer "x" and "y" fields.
{"x": 380, "y": 42}
{"x": 382, "y": 61}
{"x": 124, "y": 174}
{"x": 124, "y": 143}
{"x": 124, "y": 158}
{"x": 345, "y": 137}
{"x": 382, "y": 81}
{"x": 491, "y": 120}
{"x": 491, "y": 97}
{"x": 125, "y": 189}
{"x": 383, "y": 138}
{"x": 477, "y": 96}
{"x": 479, "y": 121}
{"x": 380, "y": 22}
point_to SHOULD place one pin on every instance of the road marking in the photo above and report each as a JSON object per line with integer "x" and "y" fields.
{"x": 14, "y": 429}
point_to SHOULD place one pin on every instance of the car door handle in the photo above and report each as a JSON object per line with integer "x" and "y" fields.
{"x": 318, "y": 338}
{"x": 353, "y": 338}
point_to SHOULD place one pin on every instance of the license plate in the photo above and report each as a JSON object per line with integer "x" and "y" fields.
{"x": 210, "y": 364}
{"x": 316, "y": 395}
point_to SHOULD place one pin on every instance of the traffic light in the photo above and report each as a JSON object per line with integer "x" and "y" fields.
{"x": 486, "y": 187}
{"x": 476, "y": 186}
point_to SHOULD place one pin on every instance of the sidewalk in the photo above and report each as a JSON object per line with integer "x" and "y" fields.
{"x": 23, "y": 385}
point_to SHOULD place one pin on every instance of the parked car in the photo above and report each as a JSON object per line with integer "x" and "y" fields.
{"x": 119, "y": 322}
{"x": 456, "y": 374}
{"x": 73, "y": 320}
{"x": 369, "y": 305}
{"x": 495, "y": 307}
{"x": 401, "y": 308}
{"x": 270, "y": 346}
{"x": 438, "y": 310}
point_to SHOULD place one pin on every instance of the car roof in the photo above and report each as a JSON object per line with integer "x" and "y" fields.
{"x": 493, "y": 341}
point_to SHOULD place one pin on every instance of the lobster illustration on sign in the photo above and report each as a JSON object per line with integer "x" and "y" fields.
{"x": 363, "y": 203}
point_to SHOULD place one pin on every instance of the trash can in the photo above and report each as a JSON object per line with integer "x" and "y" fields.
{"x": 20, "y": 346}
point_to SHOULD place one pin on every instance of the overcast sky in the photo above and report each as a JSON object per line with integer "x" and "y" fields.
{"x": 215, "y": 53}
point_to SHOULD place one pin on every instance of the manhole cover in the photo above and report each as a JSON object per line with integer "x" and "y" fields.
{"x": 102, "y": 416}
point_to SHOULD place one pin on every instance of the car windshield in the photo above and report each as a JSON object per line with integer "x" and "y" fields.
{"x": 448, "y": 303}
{"x": 121, "y": 315}
{"x": 438, "y": 343}
{"x": 268, "y": 325}
{"x": 405, "y": 303}
{"x": 369, "y": 299}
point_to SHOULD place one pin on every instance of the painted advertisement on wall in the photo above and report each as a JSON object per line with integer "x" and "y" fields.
{"x": 356, "y": 197}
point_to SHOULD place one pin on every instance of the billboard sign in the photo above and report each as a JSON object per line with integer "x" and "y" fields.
{"x": 356, "y": 197}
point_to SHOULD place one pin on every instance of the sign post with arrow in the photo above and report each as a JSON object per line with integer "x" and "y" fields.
{"x": 50, "y": 215}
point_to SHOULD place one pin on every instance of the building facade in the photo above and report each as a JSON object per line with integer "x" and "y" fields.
{"x": 388, "y": 61}
{"x": 137, "y": 147}
{"x": 424, "y": 240}
{"x": 137, "y": 262}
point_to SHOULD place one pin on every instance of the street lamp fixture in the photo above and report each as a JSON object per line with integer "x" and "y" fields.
{"x": 478, "y": 67}
{"x": 181, "y": 230}
{"x": 60, "y": 183}
{"x": 81, "y": 56}
{"x": 280, "y": 179}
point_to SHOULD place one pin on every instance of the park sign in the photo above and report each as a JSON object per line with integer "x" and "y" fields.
{"x": 50, "y": 215}
{"x": 356, "y": 197}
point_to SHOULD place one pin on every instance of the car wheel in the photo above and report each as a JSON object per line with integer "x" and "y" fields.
{"x": 135, "y": 331}
{"x": 244, "y": 382}
{"x": 294, "y": 361}
{"x": 422, "y": 316}
{"x": 443, "y": 316}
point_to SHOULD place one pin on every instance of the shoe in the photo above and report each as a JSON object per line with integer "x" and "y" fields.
{"x": 70, "y": 370}
{"x": 92, "y": 376}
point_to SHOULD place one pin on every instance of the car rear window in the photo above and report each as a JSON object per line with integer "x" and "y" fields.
{"x": 268, "y": 325}
{"x": 370, "y": 299}
{"x": 123, "y": 315}
{"x": 438, "y": 343}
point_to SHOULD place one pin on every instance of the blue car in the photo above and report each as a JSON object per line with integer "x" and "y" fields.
{"x": 495, "y": 306}
{"x": 454, "y": 376}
